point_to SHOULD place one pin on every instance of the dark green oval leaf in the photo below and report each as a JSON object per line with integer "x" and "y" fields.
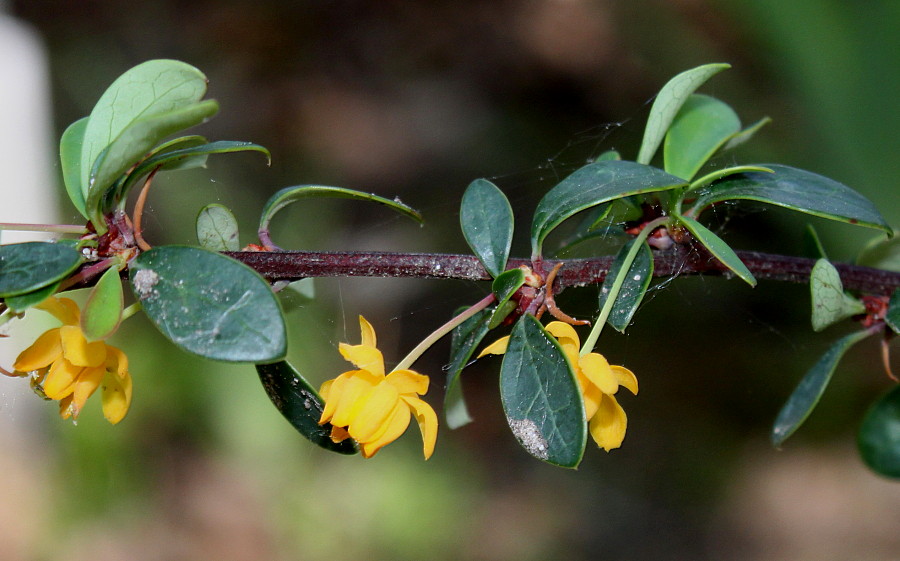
{"x": 289, "y": 195}
{"x": 592, "y": 185}
{"x": 70, "y": 161}
{"x": 892, "y": 318}
{"x": 798, "y": 190}
{"x": 487, "y": 224}
{"x": 503, "y": 287}
{"x": 703, "y": 125}
{"x": 465, "y": 339}
{"x": 102, "y": 313}
{"x": 22, "y": 302}
{"x": 810, "y": 389}
{"x": 668, "y": 102}
{"x": 217, "y": 229}
{"x": 829, "y": 302}
{"x": 541, "y": 396}
{"x": 725, "y": 172}
{"x": 720, "y": 250}
{"x": 149, "y": 89}
{"x": 26, "y": 267}
{"x": 300, "y": 404}
{"x": 879, "y": 435}
{"x": 209, "y": 304}
{"x": 637, "y": 280}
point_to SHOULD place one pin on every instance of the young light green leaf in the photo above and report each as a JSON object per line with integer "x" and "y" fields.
{"x": 152, "y": 88}
{"x": 26, "y": 267}
{"x": 209, "y": 304}
{"x": 703, "y": 125}
{"x": 217, "y": 229}
{"x": 829, "y": 302}
{"x": 22, "y": 302}
{"x": 608, "y": 155}
{"x": 881, "y": 253}
{"x": 541, "y": 396}
{"x": 812, "y": 244}
{"x": 132, "y": 143}
{"x": 892, "y": 317}
{"x": 718, "y": 174}
{"x": 746, "y": 134}
{"x": 879, "y": 435}
{"x": 798, "y": 190}
{"x": 465, "y": 339}
{"x": 70, "y": 161}
{"x": 289, "y": 195}
{"x": 810, "y": 389}
{"x": 504, "y": 287}
{"x": 592, "y": 185}
{"x": 102, "y": 313}
{"x": 720, "y": 250}
{"x": 486, "y": 220}
{"x": 300, "y": 404}
{"x": 667, "y": 104}
{"x": 637, "y": 281}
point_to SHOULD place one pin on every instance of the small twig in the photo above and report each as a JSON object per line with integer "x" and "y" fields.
{"x": 139, "y": 211}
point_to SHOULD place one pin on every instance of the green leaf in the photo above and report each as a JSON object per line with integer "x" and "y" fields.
{"x": 608, "y": 155}
{"x": 724, "y": 172}
{"x": 812, "y": 244}
{"x": 881, "y": 253}
{"x": 504, "y": 287}
{"x": 209, "y": 304}
{"x": 720, "y": 250}
{"x": 667, "y": 104}
{"x": 798, "y": 190}
{"x": 289, "y": 195}
{"x": 879, "y": 435}
{"x": 70, "y": 161}
{"x": 892, "y": 317}
{"x": 300, "y": 404}
{"x": 592, "y": 185}
{"x": 541, "y": 396}
{"x": 486, "y": 220}
{"x": 187, "y": 154}
{"x": 703, "y": 125}
{"x": 26, "y": 267}
{"x": 810, "y": 389}
{"x": 217, "y": 229}
{"x": 131, "y": 145}
{"x": 153, "y": 88}
{"x": 829, "y": 302}
{"x": 465, "y": 339}
{"x": 637, "y": 281}
{"x": 22, "y": 302}
{"x": 746, "y": 134}
{"x": 102, "y": 313}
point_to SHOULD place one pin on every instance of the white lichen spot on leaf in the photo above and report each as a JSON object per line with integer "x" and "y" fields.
{"x": 530, "y": 437}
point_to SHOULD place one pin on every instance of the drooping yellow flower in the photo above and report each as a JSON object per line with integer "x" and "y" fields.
{"x": 599, "y": 381}
{"x": 66, "y": 367}
{"x": 371, "y": 407}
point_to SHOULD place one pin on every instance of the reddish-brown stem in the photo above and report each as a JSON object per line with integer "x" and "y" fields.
{"x": 139, "y": 211}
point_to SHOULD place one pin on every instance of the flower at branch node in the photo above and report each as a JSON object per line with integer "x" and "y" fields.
{"x": 371, "y": 407}
{"x": 599, "y": 381}
{"x": 64, "y": 366}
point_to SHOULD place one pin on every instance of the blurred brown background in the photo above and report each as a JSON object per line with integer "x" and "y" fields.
{"x": 417, "y": 99}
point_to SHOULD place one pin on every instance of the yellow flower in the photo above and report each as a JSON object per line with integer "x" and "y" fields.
{"x": 598, "y": 380}
{"x": 66, "y": 367}
{"x": 374, "y": 408}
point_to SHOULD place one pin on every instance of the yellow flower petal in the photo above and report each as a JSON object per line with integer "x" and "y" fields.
{"x": 564, "y": 333}
{"x": 339, "y": 434}
{"x": 348, "y": 392}
{"x": 392, "y": 429}
{"x": 626, "y": 378}
{"x": 116, "y": 361}
{"x": 428, "y": 423}
{"x": 116, "y": 396}
{"x": 597, "y": 370}
{"x": 85, "y": 385}
{"x": 78, "y": 351}
{"x": 407, "y": 381}
{"x": 608, "y": 425}
{"x": 591, "y": 395}
{"x": 46, "y": 349}
{"x": 63, "y": 309}
{"x": 498, "y": 347}
{"x": 375, "y": 409}
{"x": 367, "y": 332}
{"x": 60, "y": 380}
{"x": 363, "y": 357}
